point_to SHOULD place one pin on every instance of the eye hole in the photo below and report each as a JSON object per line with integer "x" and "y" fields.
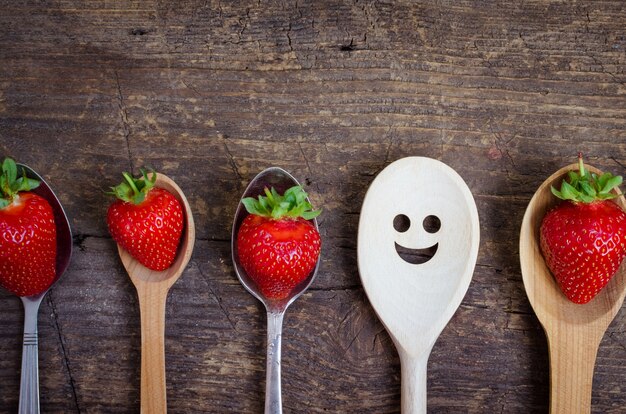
{"x": 401, "y": 223}
{"x": 432, "y": 224}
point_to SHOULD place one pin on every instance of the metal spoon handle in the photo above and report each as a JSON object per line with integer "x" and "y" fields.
{"x": 273, "y": 400}
{"x": 29, "y": 383}
{"x": 413, "y": 380}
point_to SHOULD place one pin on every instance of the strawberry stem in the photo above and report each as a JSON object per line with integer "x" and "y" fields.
{"x": 583, "y": 187}
{"x": 11, "y": 185}
{"x": 134, "y": 190}
{"x": 581, "y": 165}
{"x": 293, "y": 204}
{"x": 130, "y": 181}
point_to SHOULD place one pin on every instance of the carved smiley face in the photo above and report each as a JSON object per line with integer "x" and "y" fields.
{"x": 416, "y": 254}
{"x": 418, "y": 218}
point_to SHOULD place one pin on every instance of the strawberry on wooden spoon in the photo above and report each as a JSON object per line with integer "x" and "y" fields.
{"x": 583, "y": 239}
{"x": 146, "y": 221}
{"x": 27, "y": 235}
{"x": 277, "y": 246}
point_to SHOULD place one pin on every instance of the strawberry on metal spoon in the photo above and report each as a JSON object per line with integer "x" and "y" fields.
{"x": 583, "y": 239}
{"x": 27, "y": 235}
{"x": 146, "y": 221}
{"x": 277, "y": 246}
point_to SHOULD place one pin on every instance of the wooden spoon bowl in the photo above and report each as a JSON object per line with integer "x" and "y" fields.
{"x": 573, "y": 331}
{"x": 152, "y": 288}
{"x": 140, "y": 274}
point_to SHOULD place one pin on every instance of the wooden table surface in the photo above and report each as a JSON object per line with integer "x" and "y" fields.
{"x": 212, "y": 92}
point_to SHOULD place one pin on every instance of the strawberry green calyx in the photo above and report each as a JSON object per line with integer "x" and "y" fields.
{"x": 586, "y": 187}
{"x": 10, "y": 184}
{"x": 292, "y": 204}
{"x": 134, "y": 190}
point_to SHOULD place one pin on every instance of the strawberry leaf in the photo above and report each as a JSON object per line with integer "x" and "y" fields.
{"x": 26, "y": 184}
{"x": 134, "y": 190}
{"x": 611, "y": 183}
{"x": 9, "y": 169}
{"x": 293, "y": 203}
{"x": 280, "y": 210}
{"x": 251, "y": 206}
{"x": 573, "y": 178}
{"x": 602, "y": 180}
{"x": 275, "y": 193}
{"x": 309, "y": 215}
{"x": 588, "y": 189}
{"x": 607, "y": 196}
{"x": 568, "y": 192}
{"x": 264, "y": 205}
{"x": 585, "y": 187}
{"x": 10, "y": 185}
{"x": 586, "y": 198}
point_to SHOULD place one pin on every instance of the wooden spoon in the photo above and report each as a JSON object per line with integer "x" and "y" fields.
{"x": 416, "y": 301}
{"x": 574, "y": 331}
{"x": 152, "y": 288}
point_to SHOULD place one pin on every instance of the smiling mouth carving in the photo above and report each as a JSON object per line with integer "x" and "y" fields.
{"x": 416, "y": 256}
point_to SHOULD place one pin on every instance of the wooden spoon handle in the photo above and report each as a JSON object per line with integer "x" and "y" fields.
{"x": 153, "y": 389}
{"x": 413, "y": 379}
{"x": 572, "y": 360}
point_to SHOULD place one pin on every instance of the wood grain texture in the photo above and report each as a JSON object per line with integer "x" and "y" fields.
{"x": 211, "y": 92}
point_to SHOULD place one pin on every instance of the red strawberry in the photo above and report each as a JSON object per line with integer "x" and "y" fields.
{"x": 146, "y": 221}
{"x": 28, "y": 244}
{"x": 277, "y": 247}
{"x": 583, "y": 239}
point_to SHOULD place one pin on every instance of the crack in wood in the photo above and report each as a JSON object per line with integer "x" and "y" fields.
{"x": 216, "y": 297}
{"x": 66, "y": 360}
{"x": 289, "y": 37}
{"x": 306, "y": 160}
{"x": 124, "y": 117}
{"x": 231, "y": 159}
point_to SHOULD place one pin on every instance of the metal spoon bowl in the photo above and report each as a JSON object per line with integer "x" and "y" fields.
{"x": 281, "y": 180}
{"x": 29, "y": 383}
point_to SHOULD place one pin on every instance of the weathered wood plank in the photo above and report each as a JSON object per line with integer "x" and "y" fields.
{"x": 211, "y": 92}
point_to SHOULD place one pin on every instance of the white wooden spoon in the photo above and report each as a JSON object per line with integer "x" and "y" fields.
{"x": 574, "y": 331}
{"x": 415, "y": 301}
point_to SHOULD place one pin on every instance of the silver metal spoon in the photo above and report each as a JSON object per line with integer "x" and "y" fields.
{"x": 281, "y": 180}
{"x": 29, "y": 383}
